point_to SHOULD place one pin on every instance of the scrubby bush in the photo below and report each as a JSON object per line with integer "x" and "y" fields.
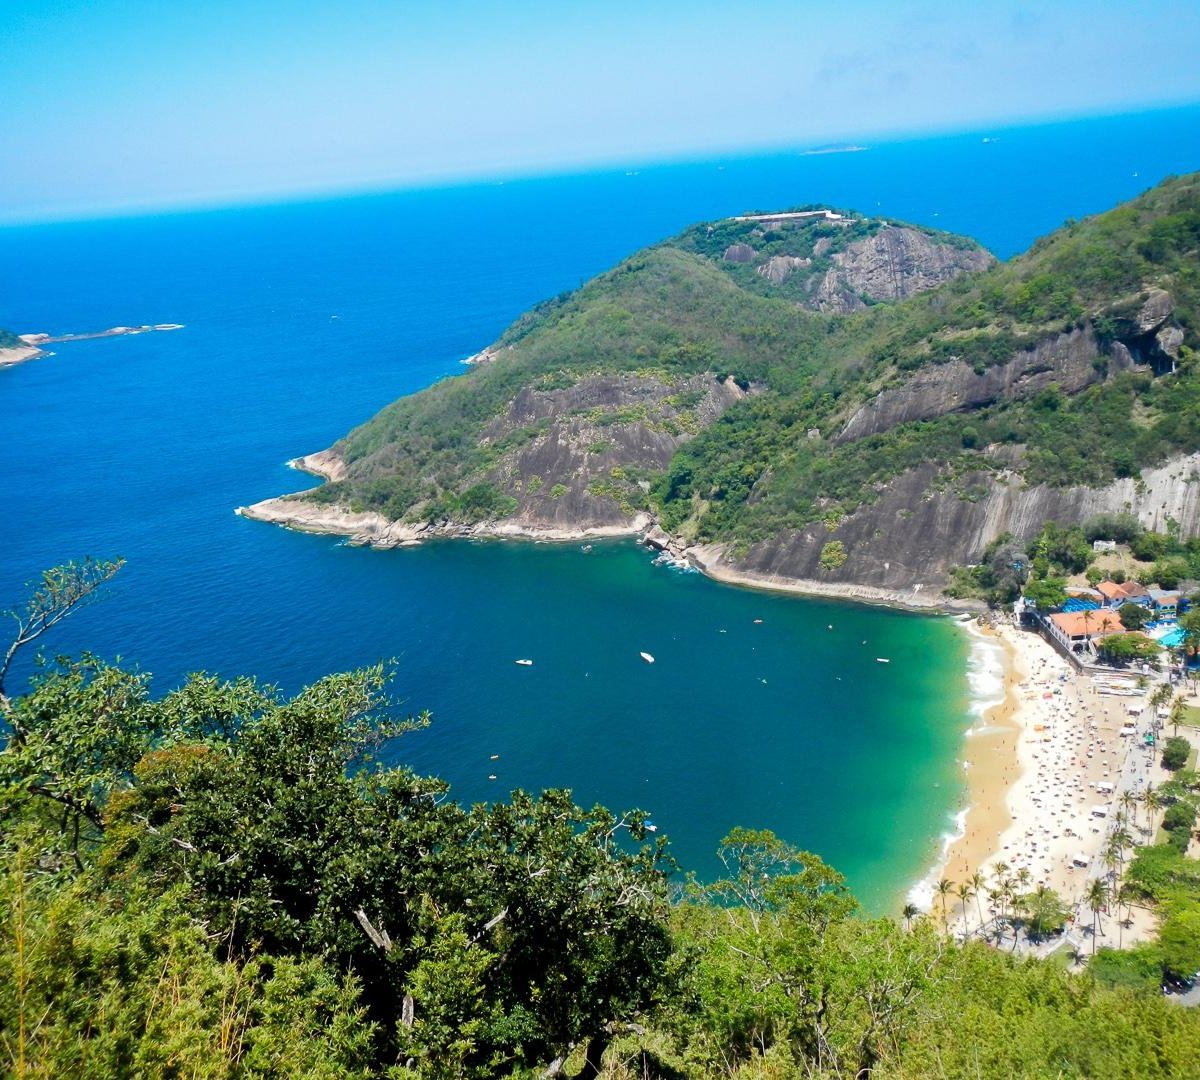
{"x": 1175, "y": 752}
{"x": 1133, "y": 616}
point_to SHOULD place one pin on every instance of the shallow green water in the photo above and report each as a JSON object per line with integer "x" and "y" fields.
{"x": 784, "y": 724}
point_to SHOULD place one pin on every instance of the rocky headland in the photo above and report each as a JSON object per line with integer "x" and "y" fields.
{"x": 809, "y": 401}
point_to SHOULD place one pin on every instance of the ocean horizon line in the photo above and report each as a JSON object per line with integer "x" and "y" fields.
{"x": 321, "y": 193}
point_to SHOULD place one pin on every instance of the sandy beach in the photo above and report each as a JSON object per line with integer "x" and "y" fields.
{"x": 1045, "y": 772}
{"x": 992, "y": 765}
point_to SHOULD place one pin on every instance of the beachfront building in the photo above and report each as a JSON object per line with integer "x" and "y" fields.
{"x": 1128, "y": 592}
{"x": 1075, "y": 630}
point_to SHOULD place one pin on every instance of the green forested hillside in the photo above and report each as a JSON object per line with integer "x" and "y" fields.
{"x": 223, "y": 882}
{"x": 775, "y": 459}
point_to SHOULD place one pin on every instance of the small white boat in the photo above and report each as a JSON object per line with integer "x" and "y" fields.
{"x": 647, "y": 657}
{"x": 882, "y": 660}
{"x": 525, "y": 663}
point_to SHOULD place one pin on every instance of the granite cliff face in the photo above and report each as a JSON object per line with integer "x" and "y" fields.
{"x": 1066, "y": 360}
{"x": 907, "y": 541}
{"x": 893, "y": 264}
{"x": 592, "y": 445}
{"x": 839, "y": 264}
{"x": 902, "y": 547}
{"x": 1071, "y": 361}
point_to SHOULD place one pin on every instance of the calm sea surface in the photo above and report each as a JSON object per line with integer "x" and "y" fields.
{"x": 302, "y": 319}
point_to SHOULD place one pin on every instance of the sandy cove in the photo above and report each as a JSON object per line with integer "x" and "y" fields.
{"x": 1033, "y": 761}
{"x": 1034, "y": 764}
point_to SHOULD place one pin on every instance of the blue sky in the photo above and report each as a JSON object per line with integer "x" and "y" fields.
{"x": 129, "y": 104}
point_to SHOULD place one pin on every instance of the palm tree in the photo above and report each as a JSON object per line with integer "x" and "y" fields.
{"x": 1111, "y": 857}
{"x": 1008, "y": 894}
{"x": 1023, "y": 876}
{"x": 910, "y": 912}
{"x": 1114, "y": 852}
{"x": 943, "y": 888}
{"x": 1125, "y": 895}
{"x": 1097, "y": 898}
{"x": 1162, "y": 696}
{"x": 1178, "y": 712}
{"x": 977, "y": 883}
{"x": 996, "y": 899}
{"x": 1129, "y": 804}
{"x": 1020, "y": 901}
{"x": 1154, "y": 803}
{"x": 965, "y": 892}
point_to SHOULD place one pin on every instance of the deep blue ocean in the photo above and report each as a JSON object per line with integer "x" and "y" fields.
{"x": 304, "y": 318}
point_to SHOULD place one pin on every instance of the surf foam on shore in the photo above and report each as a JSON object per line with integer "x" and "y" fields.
{"x": 986, "y": 683}
{"x": 921, "y": 894}
{"x": 985, "y": 672}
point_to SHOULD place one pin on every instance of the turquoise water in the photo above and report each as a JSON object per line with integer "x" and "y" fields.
{"x": 303, "y": 319}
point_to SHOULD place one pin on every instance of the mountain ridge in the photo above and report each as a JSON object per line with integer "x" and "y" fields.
{"x": 704, "y": 387}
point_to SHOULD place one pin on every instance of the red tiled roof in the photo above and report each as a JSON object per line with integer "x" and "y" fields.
{"x": 1110, "y": 590}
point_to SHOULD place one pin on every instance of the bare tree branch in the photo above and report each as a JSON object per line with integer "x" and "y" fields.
{"x": 379, "y": 938}
{"x": 62, "y": 590}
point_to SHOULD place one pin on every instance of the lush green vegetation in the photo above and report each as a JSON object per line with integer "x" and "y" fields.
{"x": 1122, "y": 648}
{"x": 224, "y": 882}
{"x": 9, "y": 340}
{"x": 1039, "y": 568}
{"x": 1175, "y": 752}
{"x": 1163, "y": 877}
{"x": 676, "y": 310}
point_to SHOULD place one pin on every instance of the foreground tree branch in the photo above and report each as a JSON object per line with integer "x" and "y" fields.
{"x": 63, "y": 589}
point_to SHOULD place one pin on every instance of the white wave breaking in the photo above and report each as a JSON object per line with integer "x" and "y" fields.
{"x": 921, "y": 894}
{"x": 985, "y": 672}
{"x": 985, "y": 680}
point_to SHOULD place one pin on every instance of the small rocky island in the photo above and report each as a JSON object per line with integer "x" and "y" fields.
{"x": 17, "y": 348}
